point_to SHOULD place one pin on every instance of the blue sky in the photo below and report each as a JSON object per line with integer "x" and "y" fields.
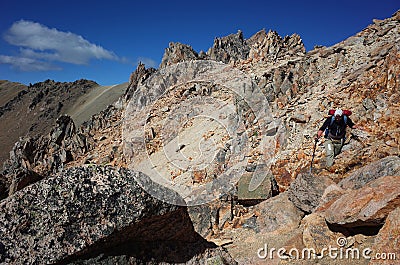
{"x": 104, "y": 40}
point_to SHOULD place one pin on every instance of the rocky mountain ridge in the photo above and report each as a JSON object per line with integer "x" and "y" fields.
{"x": 33, "y": 111}
{"x": 358, "y": 201}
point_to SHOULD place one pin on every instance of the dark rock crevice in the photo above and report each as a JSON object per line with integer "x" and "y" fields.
{"x": 367, "y": 230}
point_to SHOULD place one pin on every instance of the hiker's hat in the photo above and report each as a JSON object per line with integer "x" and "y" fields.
{"x": 338, "y": 112}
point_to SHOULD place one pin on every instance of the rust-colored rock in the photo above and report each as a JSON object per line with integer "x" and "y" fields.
{"x": 387, "y": 242}
{"x": 316, "y": 233}
{"x": 367, "y": 206}
{"x": 278, "y": 215}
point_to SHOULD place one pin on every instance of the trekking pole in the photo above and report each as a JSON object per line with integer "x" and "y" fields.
{"x": 313, "y": 154}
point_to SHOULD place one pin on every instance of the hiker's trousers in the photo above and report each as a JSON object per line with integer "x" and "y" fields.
{"x": 332, "y": 149}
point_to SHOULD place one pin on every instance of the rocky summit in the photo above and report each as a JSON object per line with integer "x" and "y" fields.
{"x": 209, "y": 159}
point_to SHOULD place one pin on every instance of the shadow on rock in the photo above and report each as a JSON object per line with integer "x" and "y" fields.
{"x": 163, "y": 239}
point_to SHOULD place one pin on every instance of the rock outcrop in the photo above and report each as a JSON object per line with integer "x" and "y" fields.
{"x": 388, "y": 166}
{"x": 178, "y": 52}
{"x": 229, "y": 49}
{"x": 139, "y": 75}
{"x": 32, "y": 159}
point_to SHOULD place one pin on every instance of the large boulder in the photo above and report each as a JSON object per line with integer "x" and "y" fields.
{"x": 367, "y": 206}
{"x": 85, "y": 211}
{"x": 306, "y": 191}
{"x": 278, "y": 215}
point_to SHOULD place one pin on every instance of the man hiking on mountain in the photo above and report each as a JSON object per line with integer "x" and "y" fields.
{"x": 335, "y": 132}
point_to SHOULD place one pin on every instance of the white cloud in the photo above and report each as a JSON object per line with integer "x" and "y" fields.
{"x": 27, "y": 64}
{"x": 44, "y": 45}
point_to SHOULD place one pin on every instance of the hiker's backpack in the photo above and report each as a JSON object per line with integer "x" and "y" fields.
{"x": 345, "y": 112}
{"x": 331, "y": 112}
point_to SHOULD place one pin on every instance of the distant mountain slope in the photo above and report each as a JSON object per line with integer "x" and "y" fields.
{"x": 33, "y": 110}
{"x": 9, "y": 90}
{"x": 95, "y": 101}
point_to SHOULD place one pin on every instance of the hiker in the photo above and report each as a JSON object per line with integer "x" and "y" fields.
{"x": 335, "y": 133}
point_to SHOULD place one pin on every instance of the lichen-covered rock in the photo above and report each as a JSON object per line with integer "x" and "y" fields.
{"x": 82, "y": 210}
{"x": 306, "y": 191}
{"x": 3, "y": 187}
